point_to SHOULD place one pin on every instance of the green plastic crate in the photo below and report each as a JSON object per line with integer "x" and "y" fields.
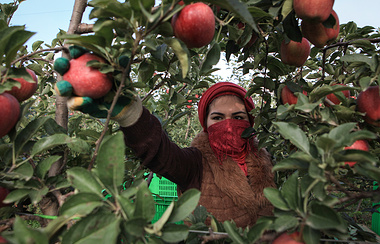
{"x": 164, "y": 192}
{"x": 376, "y": 216}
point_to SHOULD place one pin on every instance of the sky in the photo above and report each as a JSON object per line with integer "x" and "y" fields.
{"x": 46, "y": 17}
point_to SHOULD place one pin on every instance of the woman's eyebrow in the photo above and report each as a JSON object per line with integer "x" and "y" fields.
{"x": 217, "y": 113}
{"x": 239, "y": 112}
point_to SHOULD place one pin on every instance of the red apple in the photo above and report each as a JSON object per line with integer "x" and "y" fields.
{"x": 10, "y": 113}
{"x": 88, "y": 81}
{"x": 286, "y": 238}
{"x": 318, "y": 34}
{"x": 334, "y": 99}
{"x": 3, "y": 194}
{"x": 358, "y": 145}
{"x": 368, "y": 102}
{"x": 313, "y": 10}
{"x": 2, "y": 240}
{"x": 295, "y": 53}
{"x": 27, "y": 89}
{"x": 287, "y": 96}
{"x": 194, "y": 25}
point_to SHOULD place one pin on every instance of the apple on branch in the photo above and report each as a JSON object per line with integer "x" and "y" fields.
{"x": 285, "y": 238}
{"x": 334, "y": 99}
{"x": 3, "y": 194}
{"x": 10, "y": 113}
{"x": 194, "y": 25}
{"x": 368, "y": 103}
{"x": 27, "y": 89}
{"x": 288, "y": 97}
{"x": 358, "y": 145}
{"x": 318, "y": 34}
{"x": 81, "y": 79}
{"x": 313, "y": 10}
{"x": 295, "y": 53}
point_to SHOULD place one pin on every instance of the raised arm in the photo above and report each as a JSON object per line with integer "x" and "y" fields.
{"x": 147, "y": 139}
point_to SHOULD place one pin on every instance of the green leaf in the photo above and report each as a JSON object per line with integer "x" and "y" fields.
{"x": 44, "y": 166}
{"x": 303, "y": 103}
{"x": 36, "y": 45}
{"x": 12, "y": 40}
{"x": 258, "y": 229}
{"x": 293, "y": 133}
{"x": 287, "y": 7}
{"x": 23, "y": 172}
{"x": 323, "y": 217}
{"x": 212, "y": 58}
{"x": 291, "y": 27}
{"x": 91, "y": 42}
{"x": 110, "y": 162}
{"x": 275, "y": 197}
{"x": 325, "y": 143}
{"x": 28, "y": 133}
{"x": 84, "y": 181}
{"x": 81, "y": 204}
{"x": 95, "y": 227}
{"x": 52, "y": 141}
{"x": 240, "y": 9}
{"x": 233, "y": 233}
{"x": 289, "y": 164}
{"x": 310, "y": 235}
{"x": 360, "y": 58}
{"x": 343, "y": 129}
{"x": 37, "y": 195}
{"x": 25, "y": 235}
{"x": 173, "y": 233}
{"x": 316, "y": 172}
{"x": 367, "y": 169}
{"x": 159, "y": 224}
{"x": 283, "y": 223}
{"x": 146, "y": 71}
{"x": 16, "y": 195}
{"x": 185, "y": 205}
{"x": 145, "y": 207}
{"x": 290, "y": 191}
{"x": 182, "y": 54}
{"x": 55, "y": 225}
{"x": 135, "y": 226}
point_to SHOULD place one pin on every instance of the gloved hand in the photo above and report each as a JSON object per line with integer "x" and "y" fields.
{"x": 78, "y": 84}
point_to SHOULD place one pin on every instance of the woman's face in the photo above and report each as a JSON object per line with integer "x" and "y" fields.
{"x": 226, "y": 107}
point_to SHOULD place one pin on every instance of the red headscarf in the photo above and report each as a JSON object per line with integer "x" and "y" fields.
{"x": 221, "y": 89}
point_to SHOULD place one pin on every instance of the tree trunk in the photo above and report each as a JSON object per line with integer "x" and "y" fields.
{"x": 50, "y": 205}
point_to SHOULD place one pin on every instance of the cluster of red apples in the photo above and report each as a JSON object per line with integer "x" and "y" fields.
{"x": 10, "y": 102}
{"x": 367, "y": 103}
{"x": 313, "y": 15}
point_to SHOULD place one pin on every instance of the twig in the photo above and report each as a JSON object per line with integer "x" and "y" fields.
{"x": 56, "y": 49}
{"x": 84, "y": 28}
{"x": 345, "y": 44}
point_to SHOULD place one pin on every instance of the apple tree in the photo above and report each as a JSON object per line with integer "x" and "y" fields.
{"x": 70, "y": 175}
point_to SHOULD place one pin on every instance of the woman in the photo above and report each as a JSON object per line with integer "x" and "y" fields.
{"x": 230, "y": 171}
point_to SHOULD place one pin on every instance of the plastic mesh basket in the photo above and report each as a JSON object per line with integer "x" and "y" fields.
{"x": 164, "y": 192}
{"x": 376, "y": 216}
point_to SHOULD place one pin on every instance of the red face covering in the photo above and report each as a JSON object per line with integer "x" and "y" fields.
{"x": 225, "y": 140}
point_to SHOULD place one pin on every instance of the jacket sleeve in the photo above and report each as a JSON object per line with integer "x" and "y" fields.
{"x": 150, "y": 143}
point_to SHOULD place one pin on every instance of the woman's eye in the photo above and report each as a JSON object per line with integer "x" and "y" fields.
{"x": 238, "y": 117}
{"x": 216, "y": 118}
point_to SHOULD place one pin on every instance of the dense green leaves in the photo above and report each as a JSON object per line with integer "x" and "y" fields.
{"x": 106, "y": 182}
